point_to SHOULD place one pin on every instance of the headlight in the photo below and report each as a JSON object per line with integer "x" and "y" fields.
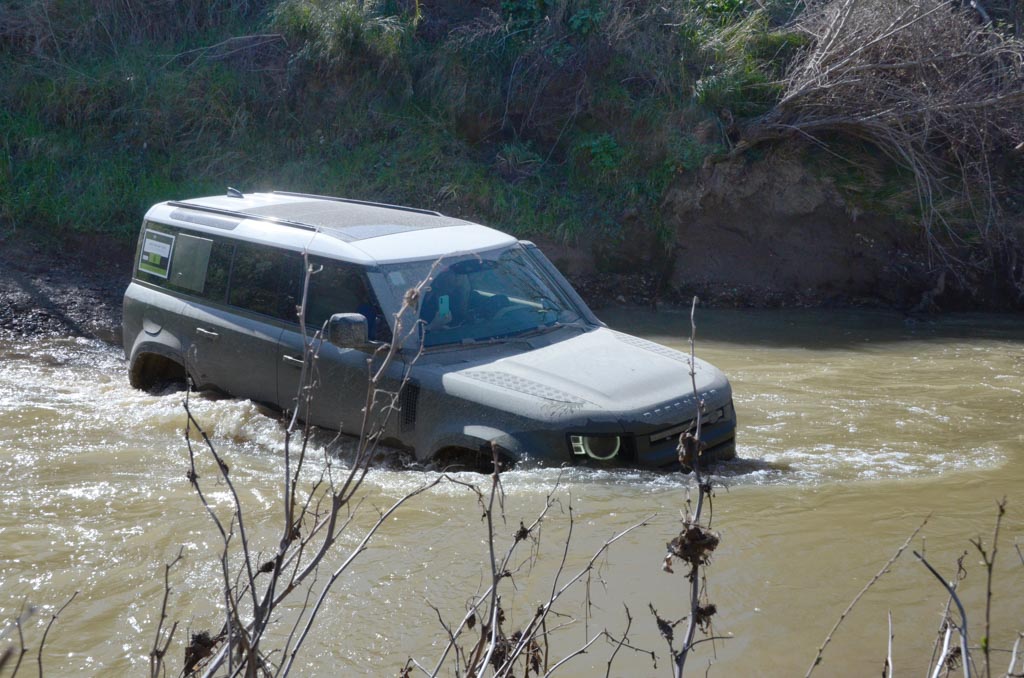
{"x": 601, "y": 448}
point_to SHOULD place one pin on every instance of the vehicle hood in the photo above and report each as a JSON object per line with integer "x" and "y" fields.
{"x": 601, "y": 369}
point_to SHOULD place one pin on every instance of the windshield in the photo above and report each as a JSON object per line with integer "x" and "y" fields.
{"x": 481, "y": 297}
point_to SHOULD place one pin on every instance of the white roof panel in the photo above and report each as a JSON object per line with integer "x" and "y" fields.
{"x": 433, "y": 243}
{"x": 367, "y": 233}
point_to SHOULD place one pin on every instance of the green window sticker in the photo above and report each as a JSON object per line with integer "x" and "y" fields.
{"x": 156, "y": 253}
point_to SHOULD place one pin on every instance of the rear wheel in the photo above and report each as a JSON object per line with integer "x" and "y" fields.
{"x": 153, "y": 373}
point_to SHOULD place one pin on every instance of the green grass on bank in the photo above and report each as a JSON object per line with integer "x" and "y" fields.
{"x": 563, "y": 118}
{"x": 538, "y": 117}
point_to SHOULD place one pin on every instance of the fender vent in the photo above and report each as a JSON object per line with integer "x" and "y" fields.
{"x": 652, "y": 347}
{"x": 407, "y": 402}
{"x": 521, "y": 385}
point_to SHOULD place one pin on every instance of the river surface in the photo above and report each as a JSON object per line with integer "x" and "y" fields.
{"x": 854, "y": 427}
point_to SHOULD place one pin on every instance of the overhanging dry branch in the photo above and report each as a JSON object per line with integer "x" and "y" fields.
{"x": 938, "y": 92}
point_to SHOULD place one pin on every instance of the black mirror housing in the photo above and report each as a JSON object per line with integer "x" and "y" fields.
{"x": 348, "y": 330}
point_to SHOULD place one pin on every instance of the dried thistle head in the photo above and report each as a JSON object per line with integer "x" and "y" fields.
{"x": 953, "y": 659}
{"x": 703, "y": 616}
{"x": 689, "y": 450}
{"x": 694, "y": 545}
{"x": 199, "y": 648}
{"x": 522, "y": 533}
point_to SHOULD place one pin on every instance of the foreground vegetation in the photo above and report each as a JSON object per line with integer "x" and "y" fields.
{"x": 566, "y": 118}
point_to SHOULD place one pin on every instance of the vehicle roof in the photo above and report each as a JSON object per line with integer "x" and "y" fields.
{"x": 352, "y": 230}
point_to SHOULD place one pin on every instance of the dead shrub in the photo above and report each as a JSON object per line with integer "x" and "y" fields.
{"x": 937, "y": 90}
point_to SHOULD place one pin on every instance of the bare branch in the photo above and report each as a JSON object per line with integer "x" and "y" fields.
{"x": 575, "y": 653}
{"x": 964, "y": 649}
{"x": 622, "y": 641}
{"x": 989, "y": 560}
{"x": 888, "y": 672}
{"x": 545, "y": 609}
{"x": 1011, "y": 671}
{"x": 856, "y": 599}
{"x": 933, "y": 89}
{"x": 53, "y": 619}
{"x": 157, "y": 654}
{"x": 348, "y": 561}
{"x": 23, "y": 615}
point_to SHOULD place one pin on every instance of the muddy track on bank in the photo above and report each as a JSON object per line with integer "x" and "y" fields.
{"x": 62, "y": 289}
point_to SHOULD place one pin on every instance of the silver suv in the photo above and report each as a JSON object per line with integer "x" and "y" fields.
{"x": 501, "y": 351}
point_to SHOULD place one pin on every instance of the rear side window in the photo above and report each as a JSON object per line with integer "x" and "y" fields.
{"x": 190, "y": 262}
{"x": 218, "y": 271}
{"x": 266, "y": 280}
{"x": 184, "y": 262}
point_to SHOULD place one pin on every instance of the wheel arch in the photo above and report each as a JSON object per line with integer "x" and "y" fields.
{"x": 473, "y": 447}
{"x": 153, "y": 364}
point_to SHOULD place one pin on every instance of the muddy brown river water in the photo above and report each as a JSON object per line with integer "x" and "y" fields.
{"x": 854, "y": 426}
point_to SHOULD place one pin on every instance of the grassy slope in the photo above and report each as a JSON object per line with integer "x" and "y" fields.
{"x": 565, "y": 118}
{"x": 533, "y": 125}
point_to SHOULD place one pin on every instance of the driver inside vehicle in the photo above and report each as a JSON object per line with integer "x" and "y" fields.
{"x": 452, "y": 300}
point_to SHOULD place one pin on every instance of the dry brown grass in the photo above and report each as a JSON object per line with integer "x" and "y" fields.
{"x": 937, "y": 90}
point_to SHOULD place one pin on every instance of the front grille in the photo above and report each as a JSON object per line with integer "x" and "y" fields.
{"x": 707, "y": 419}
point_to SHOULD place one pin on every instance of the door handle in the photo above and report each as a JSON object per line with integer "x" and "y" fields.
{"x": 209, "y": 334}
{"x": 292, "y": 360}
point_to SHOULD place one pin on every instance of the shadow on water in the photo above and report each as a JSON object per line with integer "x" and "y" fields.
{"x": 814, "y": 328}
{"x": 740, "y": 467}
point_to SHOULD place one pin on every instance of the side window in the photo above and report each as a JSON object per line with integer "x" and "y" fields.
{"x": 189, "y": 263}
{"x": 218, "y": 271}
{"x": 184, "y": 262}
{"x": 343, "y": 288}
{"x": 265, "y": 280}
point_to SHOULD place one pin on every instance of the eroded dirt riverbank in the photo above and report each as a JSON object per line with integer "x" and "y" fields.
{"x": 67, "y": 290}
{"x": 75, "y": 288}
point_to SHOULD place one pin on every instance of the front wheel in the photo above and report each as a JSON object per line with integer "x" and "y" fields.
{"x": 477, "y": 461}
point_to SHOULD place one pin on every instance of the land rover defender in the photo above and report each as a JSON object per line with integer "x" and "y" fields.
{"x": 499, "y": 351}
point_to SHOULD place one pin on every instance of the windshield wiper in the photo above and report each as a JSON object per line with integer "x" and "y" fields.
{"x": 544, "y": 329}
{"x": 508, "y": 339}
{"x": 521, "y": 336}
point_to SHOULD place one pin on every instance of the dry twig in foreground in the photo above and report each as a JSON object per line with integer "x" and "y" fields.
{"x": 525, "y": 651}
{"x": 255, "y": 587}
{"x": 695, "y": 543}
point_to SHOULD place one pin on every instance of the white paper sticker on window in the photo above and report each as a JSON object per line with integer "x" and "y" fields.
{"x": 156, "y": 253}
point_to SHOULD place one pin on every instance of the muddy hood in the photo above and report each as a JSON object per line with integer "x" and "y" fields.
{"x": 606, "y": 370}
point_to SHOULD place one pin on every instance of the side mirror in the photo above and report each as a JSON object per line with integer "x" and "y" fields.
{"x": 348, "y": 330}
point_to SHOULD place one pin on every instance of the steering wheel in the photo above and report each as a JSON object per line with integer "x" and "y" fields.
{"x": 504, "y": 311}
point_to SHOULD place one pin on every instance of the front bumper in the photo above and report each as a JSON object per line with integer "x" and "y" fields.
{"x": 660, "y": 449}
{"x": 657, "y": 447}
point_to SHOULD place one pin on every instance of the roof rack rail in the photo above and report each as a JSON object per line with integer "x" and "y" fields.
{"x": 360, "y": 202}
{"x": 243, "y": 215}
